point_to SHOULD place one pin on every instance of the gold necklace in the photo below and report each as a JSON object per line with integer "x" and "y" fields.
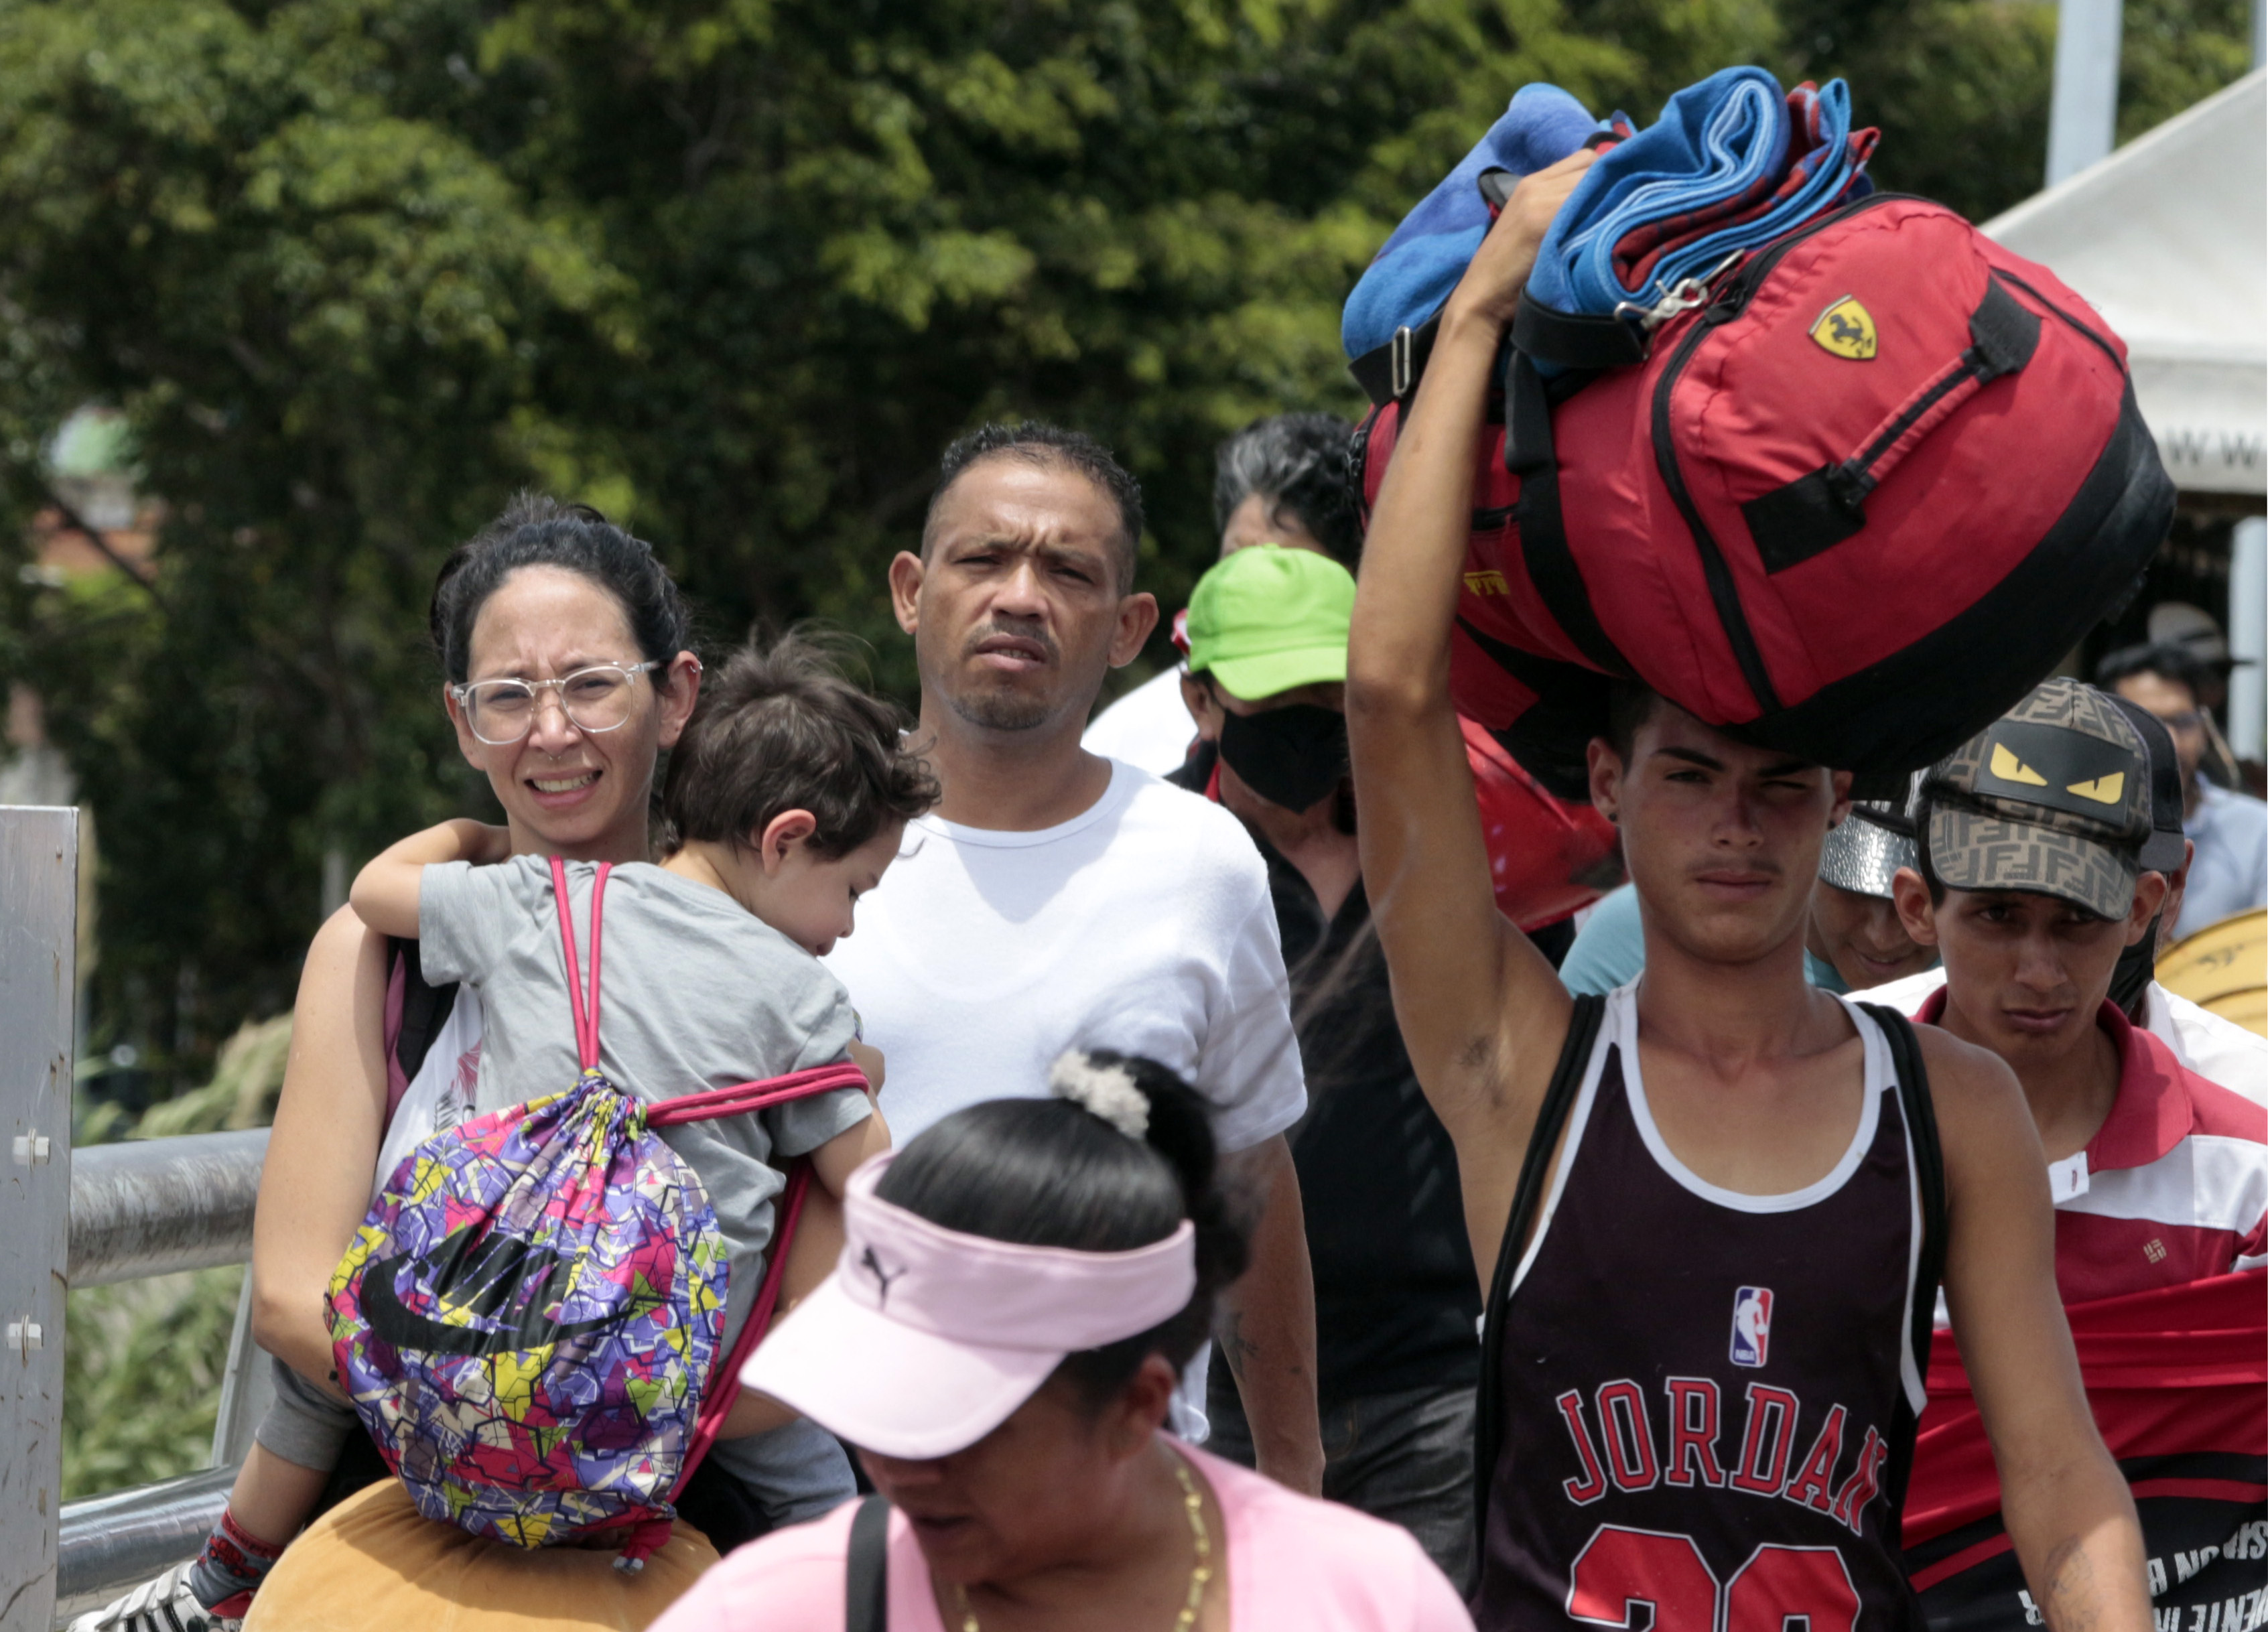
{"x": 1200, "y": 1575}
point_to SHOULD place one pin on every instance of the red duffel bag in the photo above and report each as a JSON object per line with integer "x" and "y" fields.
{"x": 1849, "y": 502}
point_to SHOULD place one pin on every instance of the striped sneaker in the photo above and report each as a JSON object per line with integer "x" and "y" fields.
{"x": 165, "y": 1605}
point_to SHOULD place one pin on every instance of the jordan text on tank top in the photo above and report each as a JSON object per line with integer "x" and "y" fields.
{"x": 1708, "y": 1399}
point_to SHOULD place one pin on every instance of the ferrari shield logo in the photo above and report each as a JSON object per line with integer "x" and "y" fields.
{"x": 1847, "y": 329}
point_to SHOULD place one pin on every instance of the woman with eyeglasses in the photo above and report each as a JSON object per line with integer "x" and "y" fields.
{"x": 563, "y": 648}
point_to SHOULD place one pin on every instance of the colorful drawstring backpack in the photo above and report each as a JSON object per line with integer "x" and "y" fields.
{"x": 528, "y": 1320}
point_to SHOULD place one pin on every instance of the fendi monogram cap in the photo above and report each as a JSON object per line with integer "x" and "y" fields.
{"x": 2052, "y": 798}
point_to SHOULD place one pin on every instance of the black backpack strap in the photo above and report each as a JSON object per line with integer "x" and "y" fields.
{"x": 1528, "y": 1196}
{"x": 1390, "y": 372}
{"x": 1531, "y": 453}
{"x": 1577, "y": 340}
{"x": 1929, "y": 1169}
{"x": 424, "y": 1009}
{"x": 866, "y": 1569}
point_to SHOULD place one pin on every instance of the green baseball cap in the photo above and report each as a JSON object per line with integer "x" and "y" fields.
{"x": 1267, "y": 618}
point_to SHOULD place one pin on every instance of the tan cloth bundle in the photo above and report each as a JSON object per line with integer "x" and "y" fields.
{"x": 374, "y": 1564}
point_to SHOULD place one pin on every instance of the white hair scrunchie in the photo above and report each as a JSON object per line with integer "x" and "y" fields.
{"x": 1108, "y": 1092}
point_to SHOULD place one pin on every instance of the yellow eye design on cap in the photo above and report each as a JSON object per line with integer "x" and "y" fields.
{"x": 2103, "y": 789}
{"x": 2008, "y": 768}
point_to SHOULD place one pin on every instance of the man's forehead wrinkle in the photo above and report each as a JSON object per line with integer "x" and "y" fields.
{"x": 1036, "y": 527}
{"x": 1034, "y": 493}
{"x": 1044, "y": 535}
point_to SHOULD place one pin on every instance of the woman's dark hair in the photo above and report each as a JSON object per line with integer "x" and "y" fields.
{"x": 1049, "y": 1173}
{"x": 536, "y": 531}
{"x": 1299, "y": 464}
{"x": 778, "y": 728}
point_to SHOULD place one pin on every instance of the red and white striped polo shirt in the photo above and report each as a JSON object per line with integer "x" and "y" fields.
{"x": 2174, "y": 1186}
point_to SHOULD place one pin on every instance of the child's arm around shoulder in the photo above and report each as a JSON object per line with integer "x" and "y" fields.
{"x": 384, "y": 894}
{"x": 868, "y": 1059}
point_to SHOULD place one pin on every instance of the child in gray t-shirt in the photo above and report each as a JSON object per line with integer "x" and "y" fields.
{"x": 786, "y": 799}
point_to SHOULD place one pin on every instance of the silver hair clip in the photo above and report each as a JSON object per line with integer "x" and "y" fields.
{"x": 1105, "y": 1090}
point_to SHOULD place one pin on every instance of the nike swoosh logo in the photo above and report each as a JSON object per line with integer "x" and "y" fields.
{"x": 496, "y": 1263}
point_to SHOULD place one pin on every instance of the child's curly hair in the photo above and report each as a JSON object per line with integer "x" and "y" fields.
{"x": 779, "y": 728}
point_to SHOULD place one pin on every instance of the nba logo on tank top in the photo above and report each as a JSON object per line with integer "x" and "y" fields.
{"x": 1708, "y": 1399}
{"x": 1751, "y": 1325}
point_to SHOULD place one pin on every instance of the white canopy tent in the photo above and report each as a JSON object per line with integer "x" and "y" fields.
{"x": 2169, "y": 238}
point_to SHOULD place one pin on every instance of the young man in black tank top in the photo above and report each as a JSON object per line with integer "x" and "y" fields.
{"x": 1708, "y": 1379}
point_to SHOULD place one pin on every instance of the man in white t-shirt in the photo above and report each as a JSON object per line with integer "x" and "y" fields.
{"x": 1056, "y": 898}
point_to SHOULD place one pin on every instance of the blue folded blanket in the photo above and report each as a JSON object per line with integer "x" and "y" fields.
{"x": 1415, "y": 270}
{"x": 1733, "y": 162}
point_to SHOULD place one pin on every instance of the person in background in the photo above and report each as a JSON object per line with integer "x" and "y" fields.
{"x": 1396, "y": 1293}
{"x": 1280, "y": 480}
{"x": 2196, "y": 632}
{"x": 2032, "y": 882}
{"x": 2215, "y": 1048}
{"x": 2030, "y": 886}
{"x": 1853, "y": 941}
{"x": 2229, "y": 872}
{"x": 1019, "y": 1288}
{"x": 1055, "y": 898}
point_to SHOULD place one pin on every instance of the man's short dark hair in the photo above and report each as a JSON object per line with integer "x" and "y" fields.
{"x": 2167, "y": 662}
{"x": 1035, "y": 442}
{"x": 1297, "y": 464}
{"x": 1630, "y": 705}
{"x": 778, "y": 729}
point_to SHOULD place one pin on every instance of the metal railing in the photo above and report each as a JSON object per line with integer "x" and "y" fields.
{"x": 39, "y": 984}
{"x": 92, "y": 1217}
{"x": 109, "y": 1543}
{"x": 147, "y": 1208}
{"x": 159, "y": 1206}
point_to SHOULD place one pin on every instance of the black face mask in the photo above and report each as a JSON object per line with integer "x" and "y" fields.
{"x": 2137, "y": 965}
{"x": 1289, "y": 756}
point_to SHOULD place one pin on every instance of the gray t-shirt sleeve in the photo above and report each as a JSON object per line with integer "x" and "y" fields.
{"x": 463, "y": 915}
{"x": 801, "y": 1127}
{"x": 812, "y": 1003}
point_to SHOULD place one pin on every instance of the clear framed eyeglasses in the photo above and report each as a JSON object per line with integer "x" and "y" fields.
{"x": 596, "y": 699}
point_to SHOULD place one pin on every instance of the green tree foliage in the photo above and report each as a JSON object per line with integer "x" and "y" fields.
{"x": 1961, "y": 87}
{"x": 325, "y": 313}
{"x": 732, "y": 269}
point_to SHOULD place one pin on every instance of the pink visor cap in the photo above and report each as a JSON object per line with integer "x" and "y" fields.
{"x": 926, "y": 1340}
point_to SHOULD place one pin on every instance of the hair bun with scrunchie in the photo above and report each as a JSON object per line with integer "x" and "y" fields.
{"x": 1106, "y": 1090}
